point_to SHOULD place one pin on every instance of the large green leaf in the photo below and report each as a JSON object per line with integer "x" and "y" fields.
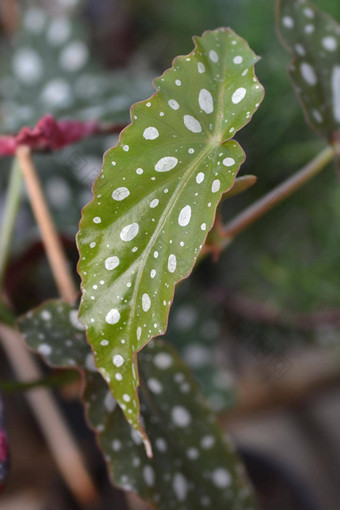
{"x": 193, "y": 466}
{"x": 313, "y": 39}
{"x": 155, "y": 201}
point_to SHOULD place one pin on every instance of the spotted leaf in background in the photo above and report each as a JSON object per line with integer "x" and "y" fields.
{"x": 313, "y": 39}
{"x": 196, "y": 329}
{"x": 193, "y": 466}
{"x": 156, "y": 198}
{"x": 52, "y": 69}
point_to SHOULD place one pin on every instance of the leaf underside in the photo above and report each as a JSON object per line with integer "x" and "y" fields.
{"x": 193, "y": 466}
{"x": 313, "y": 39}
{"x": 156, "y": 199}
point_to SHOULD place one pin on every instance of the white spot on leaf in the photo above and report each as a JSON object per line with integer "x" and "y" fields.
{"x": 74, "y": 56}
{"x": 300, "y": 50}
{"x": 146, "y": 302}
{"x": 162, "y": 360}
{"x": 90, "y": 363}
{"x": 200, "y": 177}
{"x": 213, "y": 56}
{"x": 184, "y": 216}
{"x": 149, "y": 475}
{"x": 45, "y": 349}
{"x": 172, "y": 263}
{"x": 238, "y": 95}
{"x": 57, "y": 93}
{"x": 221, "y": 478}
{"x": 173, "y": 104}
{"x": 329, "y": 43}
{"x": 308, "y": 73}
{"x": 161, "y": 444}
{"x": 113, "y": 316}
{"x": 116, "y": 445}
{"x": 287, "y": 22}
{"x": 207, "y": 442}
{"x": 151, "y": 133}
{"x": 129, "y": 232}
{"x": 238, "y": 59}
{"x": 46, "y": 315}
{"x": 180, "y": 416}
{"x": 180, "y": 486}
{"x": 192, "y": 124}
{"x": 111, "y": 263}
{"x": 59, "y": 31}
{"x": 166, "y": 164}
{"x": 228, "y": 162}
{"x": 215, "y": 186}
{"x": 309, "y": 12}
{"x": 154, "y": 203}
{"x": 154, "y": 385}
{"x": 118, "y": 360}
{"x": 309, "y": 29}
{"x": 205, "y": 101}
{"x": 120, "y": 193}
{"x": 27, "y": 66}
{"x": 109, "y": 402}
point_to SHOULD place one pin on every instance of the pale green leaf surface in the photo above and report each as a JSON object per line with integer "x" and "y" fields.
{"x": 193, "y": 466}
{"x": 156, "y": 199}
{"x": 313, "y": 39}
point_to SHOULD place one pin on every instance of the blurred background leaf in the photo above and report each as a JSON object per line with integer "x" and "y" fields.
{"x": 294, "y": 260}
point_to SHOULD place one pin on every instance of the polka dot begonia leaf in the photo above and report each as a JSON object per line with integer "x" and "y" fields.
{"x": 193, "y": 466}
{"x": 313, "y": 39}
{"x": 52, "y": 69}
{"x": 197, "y": 330}
{"x": 155, "y": 201}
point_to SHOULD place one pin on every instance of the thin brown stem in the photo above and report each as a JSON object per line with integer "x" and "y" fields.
{"x": 307, "y": 376}
{"x": 243, "y": 307}
{"x": 59, "y": 438}
{"x": 54, "y": 249}
{"x": 277, "y": 195}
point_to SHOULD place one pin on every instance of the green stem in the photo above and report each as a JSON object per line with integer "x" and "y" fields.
{"x": 9, "y": 216}
{"x": 58, "y": 380}
{"x": 277, "y": 195}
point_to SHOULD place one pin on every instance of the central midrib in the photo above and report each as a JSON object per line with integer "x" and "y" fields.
{"x": 173, "y": 200}
{"x": 144, "y": 256}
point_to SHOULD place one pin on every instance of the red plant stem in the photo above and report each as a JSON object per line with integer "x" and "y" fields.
{"x": 50, "y": 135}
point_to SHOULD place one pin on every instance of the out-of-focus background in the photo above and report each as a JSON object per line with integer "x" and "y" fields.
{"x": 259, "y": 328}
